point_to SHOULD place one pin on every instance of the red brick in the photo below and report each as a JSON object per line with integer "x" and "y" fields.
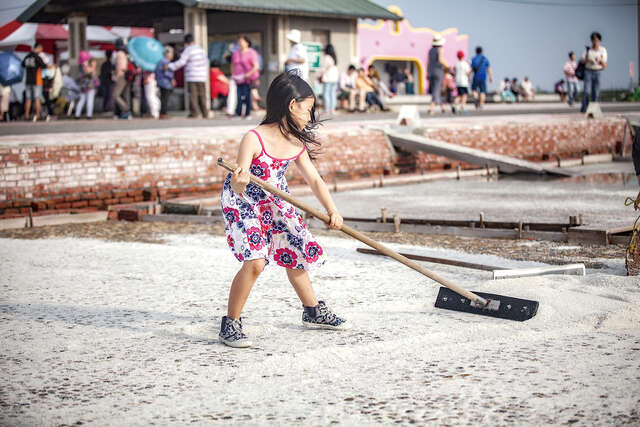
{"x": 65, "y": 205}
{"x": 81, "y": 204}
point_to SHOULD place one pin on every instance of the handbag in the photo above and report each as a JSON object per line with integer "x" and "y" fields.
{"x": 581, "y": 67}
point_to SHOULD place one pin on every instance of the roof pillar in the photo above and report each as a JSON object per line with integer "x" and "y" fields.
{"x": 195, "y": 22}
{"x": 77, "y": 36}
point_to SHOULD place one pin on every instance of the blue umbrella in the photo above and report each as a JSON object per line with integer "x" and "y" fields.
{"x": 145, "y": 52}
{"x": 11, "y": 70}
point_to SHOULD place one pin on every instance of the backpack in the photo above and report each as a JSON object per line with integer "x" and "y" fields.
{"x": 581, "y": 67}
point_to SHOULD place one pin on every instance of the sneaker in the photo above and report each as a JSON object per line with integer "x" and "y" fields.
{"x": 320, "y": 317}
{"x": 231, "y": 333}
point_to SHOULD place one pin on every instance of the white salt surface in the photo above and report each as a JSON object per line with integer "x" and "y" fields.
{"x": 109, "y": 333}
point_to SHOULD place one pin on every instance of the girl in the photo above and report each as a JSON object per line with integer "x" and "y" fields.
{"x": 263, "y": 228}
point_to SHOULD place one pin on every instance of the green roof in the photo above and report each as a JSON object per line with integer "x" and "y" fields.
{"x": 142, "y": 12}
{"x": 350, "y": 9}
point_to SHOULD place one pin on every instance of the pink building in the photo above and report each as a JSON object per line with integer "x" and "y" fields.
{"x": 399, "y": 43}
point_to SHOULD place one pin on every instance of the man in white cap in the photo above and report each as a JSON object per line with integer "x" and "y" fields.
{"x": 297, "y": 59}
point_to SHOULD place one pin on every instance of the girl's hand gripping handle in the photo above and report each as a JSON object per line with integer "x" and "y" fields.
{"x": 239, "y": 180}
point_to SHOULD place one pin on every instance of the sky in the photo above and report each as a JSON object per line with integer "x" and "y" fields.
{"x": 532, "y": 37}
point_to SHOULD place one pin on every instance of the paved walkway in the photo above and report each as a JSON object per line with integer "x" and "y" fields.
{"x": 106, "y": 122}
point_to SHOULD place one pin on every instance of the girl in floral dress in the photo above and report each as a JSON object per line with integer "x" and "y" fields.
{"x": 261, "y": 228}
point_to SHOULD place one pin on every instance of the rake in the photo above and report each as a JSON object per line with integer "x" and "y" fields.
{"x": 450, "y": 297}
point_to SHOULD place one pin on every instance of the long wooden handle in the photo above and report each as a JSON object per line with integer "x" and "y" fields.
{"x": 359, "y": 236}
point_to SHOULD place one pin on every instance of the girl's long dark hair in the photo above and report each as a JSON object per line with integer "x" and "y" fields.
{"x": 329, "y": 50}
{"x": 283, "y": 89}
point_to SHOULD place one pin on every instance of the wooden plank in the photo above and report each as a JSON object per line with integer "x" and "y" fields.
{"x": 507, "y": 164}
{"x": 194, "y": 219}
{"x": 445, "y": 261}
{"x": 620, "y": 230}
{"x": 369, "y": 225}
{"x": 179, "y": 208}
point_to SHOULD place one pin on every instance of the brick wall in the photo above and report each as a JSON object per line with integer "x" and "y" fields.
{"x": 67, "y": 175}
{"x": 95, "y": 170}
{"x": 533, "y": 141}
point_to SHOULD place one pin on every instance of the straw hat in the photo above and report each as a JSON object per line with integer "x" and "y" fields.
{"x": 294, "y": 35}
{"x": 437, "y": 40}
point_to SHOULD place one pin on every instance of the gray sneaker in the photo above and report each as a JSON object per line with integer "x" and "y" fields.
{"x": 231, "y": 333}
{"x": 320, "y": 317}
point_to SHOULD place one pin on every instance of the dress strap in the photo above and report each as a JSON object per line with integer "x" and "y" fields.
{"x": 304, "y": 147}
{"x": 260, "y": 139}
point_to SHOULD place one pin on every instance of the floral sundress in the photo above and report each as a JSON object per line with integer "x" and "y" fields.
{"x": 261, "y": 225}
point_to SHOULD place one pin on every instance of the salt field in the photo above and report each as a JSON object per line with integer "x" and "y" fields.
{"x": 115, "y": 333}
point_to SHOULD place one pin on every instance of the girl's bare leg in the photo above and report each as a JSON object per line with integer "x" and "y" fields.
{"x": 300, "y": 281}
{"x": 241, "y": 286}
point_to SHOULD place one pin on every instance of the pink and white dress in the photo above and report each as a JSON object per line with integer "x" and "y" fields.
{"x": 261, "y": 225}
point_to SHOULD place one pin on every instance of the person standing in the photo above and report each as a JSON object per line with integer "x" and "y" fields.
{"x": 435, "y": 71}
{"x": 121, "y": 89}
{"x": 569, "y": 70}
{"x": 51, "y": 85}
{"x": 409, "y": 88}
{"x": 32, "y": 64}
{"x": 297, "y": 59}
{"x": 481, "y": 69}
{"x": 463, "y": 71}
{"x": 595, "y": 60}
{"x": 106, "y": 82}
{"x": 196, "y": 64}
{"x": 329, "y": 78}
{"x": 87, "y": 82}
{"x": 244, "y": 69}
{"x": 165, "y": 80}
{"x": 150, "y": 93}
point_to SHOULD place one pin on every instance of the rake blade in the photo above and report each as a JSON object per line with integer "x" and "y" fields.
{"x": 499, "y": 305}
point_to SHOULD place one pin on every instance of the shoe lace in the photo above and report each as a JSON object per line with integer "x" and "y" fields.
{"x": 234, "y": 328}
{"x": 326, "y": 314}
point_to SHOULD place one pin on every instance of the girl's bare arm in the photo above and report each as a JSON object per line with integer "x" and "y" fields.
{"x": 249, "y": 148}
{"x": 319, "y": 188}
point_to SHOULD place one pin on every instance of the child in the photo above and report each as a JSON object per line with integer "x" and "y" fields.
{"x": 463, "y": 71}
{"x": 263, "y": 228}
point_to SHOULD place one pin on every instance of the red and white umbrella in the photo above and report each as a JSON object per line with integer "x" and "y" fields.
{"x": 15, "y": 33}
{"x": 130, "y": 32}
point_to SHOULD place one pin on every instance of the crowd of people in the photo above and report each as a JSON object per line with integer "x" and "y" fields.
{"x": 128, "y": 90}
{"x": 511, "y": 90}
{"x": 452, "y": 85}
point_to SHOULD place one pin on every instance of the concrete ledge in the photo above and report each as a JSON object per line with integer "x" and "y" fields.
{"x": 41, "y": 221}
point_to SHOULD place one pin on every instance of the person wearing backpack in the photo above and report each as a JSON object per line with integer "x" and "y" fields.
{"x": 481, "y": 68}
{"x": 595, "y": 60}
